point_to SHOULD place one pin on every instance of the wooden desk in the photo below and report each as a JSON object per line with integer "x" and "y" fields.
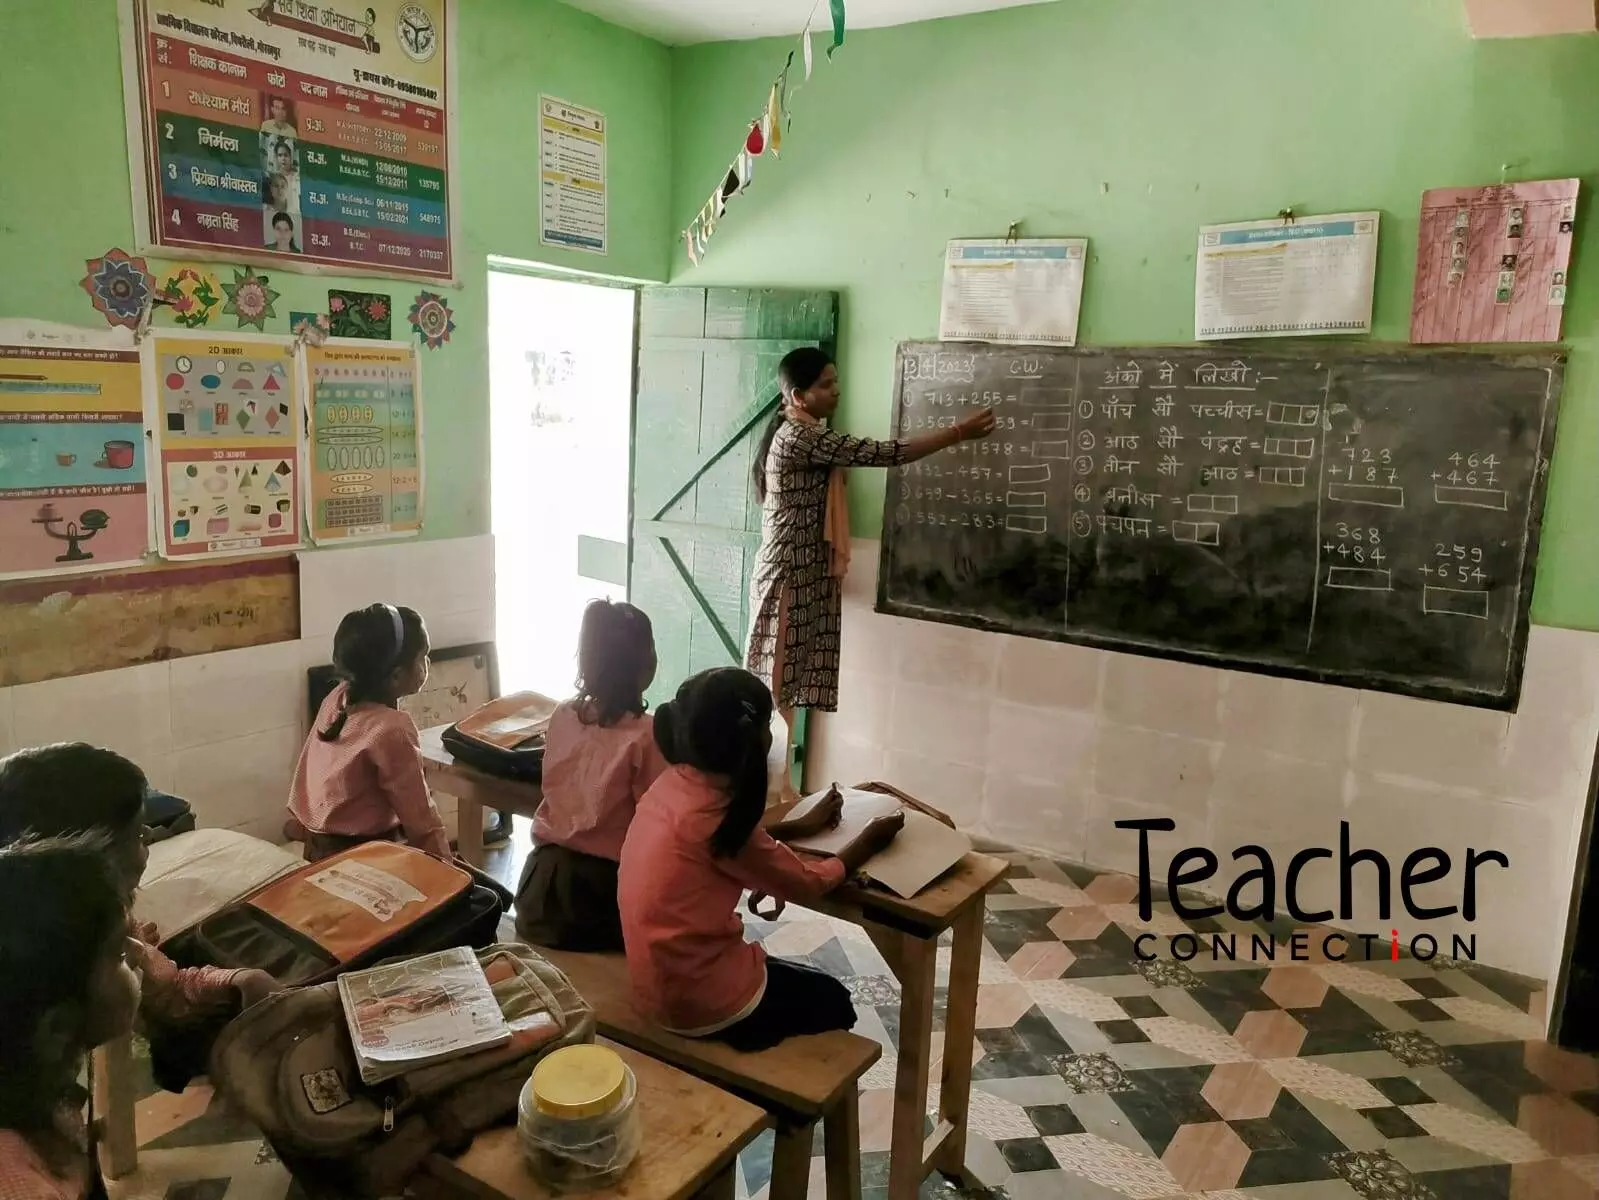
{"x": 474, "y": 791}
{"x": 692, "y": 1133}
{"x": 906, "y": 933}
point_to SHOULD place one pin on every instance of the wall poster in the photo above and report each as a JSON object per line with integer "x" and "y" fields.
{"x": 226, "y": 419}
{"x": 72, "y": 465}
{"x": 312, "y": 135}
{"x": 364, "y": 441}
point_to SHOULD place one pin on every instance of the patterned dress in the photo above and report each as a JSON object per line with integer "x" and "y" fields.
{"x": 796, "y": 600}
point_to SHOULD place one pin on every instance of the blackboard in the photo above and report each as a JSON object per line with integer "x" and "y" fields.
{"x": 1352, "y": 515}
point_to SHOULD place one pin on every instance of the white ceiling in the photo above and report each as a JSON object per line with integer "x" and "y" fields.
{"x": 686, "y": 22}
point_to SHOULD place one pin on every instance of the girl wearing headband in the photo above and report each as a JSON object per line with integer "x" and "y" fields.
{"x": 360, "y": 776}
{"x": 695, "y": 845}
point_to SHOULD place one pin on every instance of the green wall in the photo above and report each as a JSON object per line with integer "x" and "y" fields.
{"x": 1131, "y": 122}
{"x": 64, "y": 194}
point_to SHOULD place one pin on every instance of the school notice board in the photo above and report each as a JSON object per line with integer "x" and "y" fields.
{"x": 1289, "y": 277}
{"x": 72, "y": 465}
{"x": 1350, "y": 515}
{"x": 364, "y": 441}
{"x": 225, "y": 415}
{"x": 307, "y": 134}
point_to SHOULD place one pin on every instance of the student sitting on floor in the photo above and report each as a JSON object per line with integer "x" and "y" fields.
{"x": 360, "y": 775}
{"x": 66, "y": 986}
{"x": 694, "y": 846}
{"x": 74, "y": 789}
{"x": 599, "y": 758}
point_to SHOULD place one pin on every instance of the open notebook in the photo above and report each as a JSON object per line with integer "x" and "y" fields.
{"x": 923, "y": 851}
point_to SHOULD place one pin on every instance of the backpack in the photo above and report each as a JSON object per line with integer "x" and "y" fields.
{"x": 505, "y": 737}
{"x": 374, "y": 901}
{"x": 288, "y": 1065}
{"x": 165, "y": 816}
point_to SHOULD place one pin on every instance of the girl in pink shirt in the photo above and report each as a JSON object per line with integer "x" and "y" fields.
{"x": 360, "y": 775}
{"x": 65, "y": 987}
{"x": 599, "y": 758}
{"x": 694, "y": 846}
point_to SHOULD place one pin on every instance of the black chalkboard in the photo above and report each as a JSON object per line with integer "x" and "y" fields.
{"x": 1352, "y": 515}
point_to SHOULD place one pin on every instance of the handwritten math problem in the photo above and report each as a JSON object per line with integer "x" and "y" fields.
{"x": 1281, "y": 511}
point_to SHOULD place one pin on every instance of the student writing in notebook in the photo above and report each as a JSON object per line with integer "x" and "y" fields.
{"x": 600, "y": 756}
{"x": 66, "y": 986}
{"x": 694, "y": 846}
{"x": 360, "y": 776}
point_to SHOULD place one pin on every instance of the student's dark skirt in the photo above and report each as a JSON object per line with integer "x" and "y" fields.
{"x": 798, "y": 1000}
{"x": 566, "y": 900}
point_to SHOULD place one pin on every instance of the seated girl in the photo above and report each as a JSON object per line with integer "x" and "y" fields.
{"x": 360, "y": 776}
{"x": 65, "y": 987}
{"x": 600, "y": 757}
{"x": 694, "y": 846}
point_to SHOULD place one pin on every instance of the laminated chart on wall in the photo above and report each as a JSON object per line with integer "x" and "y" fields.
{"x": 73, "y": 495}
{"x": 364, "y": 440}
{"x": 1287, "y": 277}
{"x": 308, "y": 135}
{"x": 572, "y": 185}
{"x": 1016, "y": 292}
{"x": 1491, "y": 262}
{"x": 226, "y": 418}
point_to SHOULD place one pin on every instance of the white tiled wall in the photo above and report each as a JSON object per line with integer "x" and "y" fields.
{"x": 1046, "y": 745}
{"x": 224, "y": 730}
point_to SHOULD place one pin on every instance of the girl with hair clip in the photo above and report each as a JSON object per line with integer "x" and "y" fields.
{"x": 65, "y": 987}
{"x": 600, "y": 757}
{"x": 796, "y": 594}
{"x": 695, "y": 845}
{"x": 360, "y": 776}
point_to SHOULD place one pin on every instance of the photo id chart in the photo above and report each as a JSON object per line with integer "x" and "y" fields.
{"x": 364, "y": 444}
{"x": 73, "y": 492}
{"x": 315, "y": 136}
{"x": 225, "y": 413}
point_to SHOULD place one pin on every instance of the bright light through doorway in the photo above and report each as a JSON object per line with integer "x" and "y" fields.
{"x": 561, "y": 381}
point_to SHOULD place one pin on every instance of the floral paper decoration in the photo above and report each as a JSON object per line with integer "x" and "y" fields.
{"x": 431, "y": 317}
{"x": 310, "y": 328}
{"x": 361, "y": 314}
{"x": 119, "y": 286}
{"x": 250, "y": 299}
{"x": 765, "y": 136}
{"x": 191, "y": 295}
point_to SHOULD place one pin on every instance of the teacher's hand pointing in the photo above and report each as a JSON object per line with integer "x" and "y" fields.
{"x": 978, "y": 425}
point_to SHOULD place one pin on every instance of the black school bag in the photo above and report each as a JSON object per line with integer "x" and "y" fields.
{"x": 505, "y": 737}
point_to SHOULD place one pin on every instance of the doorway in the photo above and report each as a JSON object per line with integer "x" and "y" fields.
{"x": 560, "y": 399}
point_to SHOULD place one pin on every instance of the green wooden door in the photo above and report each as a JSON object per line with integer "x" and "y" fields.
{"x": 703, "y": 391}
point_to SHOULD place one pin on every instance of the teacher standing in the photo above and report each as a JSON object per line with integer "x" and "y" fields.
{"x": 799, "y": 472}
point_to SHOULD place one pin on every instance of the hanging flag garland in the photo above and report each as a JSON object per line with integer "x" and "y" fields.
{"x": 765, "y": 136}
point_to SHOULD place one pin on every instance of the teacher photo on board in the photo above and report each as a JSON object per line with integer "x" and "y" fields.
{"x": 799, "y": 470}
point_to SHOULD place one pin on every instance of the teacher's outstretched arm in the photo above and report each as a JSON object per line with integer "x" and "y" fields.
{"x": 824, "y": 447}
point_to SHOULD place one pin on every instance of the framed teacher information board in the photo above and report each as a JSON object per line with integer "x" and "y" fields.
{"x": 313, "y": 136}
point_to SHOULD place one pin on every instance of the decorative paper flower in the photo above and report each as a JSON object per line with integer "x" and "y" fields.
{"x": 313, "y": 330}
{"x": 191, "y": 294}
{"x": 119, "y": 287}
{"x": 335, "y": 303}
{"x": 378, "y": 308}
{"x": 250, "y": 299}
{"x": 431, "y": 317}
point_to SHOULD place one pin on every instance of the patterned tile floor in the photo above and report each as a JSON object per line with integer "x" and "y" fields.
{"x": 1098, "y": 1077}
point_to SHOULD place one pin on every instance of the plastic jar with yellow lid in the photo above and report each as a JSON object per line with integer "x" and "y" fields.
{"x": 577, "y": 1118}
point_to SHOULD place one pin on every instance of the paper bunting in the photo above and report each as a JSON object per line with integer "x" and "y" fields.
{"x": 431, "y": 317}
{"x": 120, "y": 287}
{"x": 764, "y": 136}
{"x": 250, "y": 299}
{"x": 191, "y": 294}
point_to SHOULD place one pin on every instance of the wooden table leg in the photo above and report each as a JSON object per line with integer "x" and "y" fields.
{"x": 841, "y": 1144}
{"x": 960, "y": 1029}
{"x": 113, "y": 1106}
{"x": 469, "y": 830}
{"x": 906, "y": 1170}
{"x": 791, "y": 1162}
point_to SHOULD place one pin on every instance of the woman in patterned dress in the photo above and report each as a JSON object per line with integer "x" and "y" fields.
{"x": 796, "y": 595}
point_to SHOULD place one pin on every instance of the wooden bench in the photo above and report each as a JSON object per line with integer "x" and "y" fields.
{"x": 799, "y": 1081}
